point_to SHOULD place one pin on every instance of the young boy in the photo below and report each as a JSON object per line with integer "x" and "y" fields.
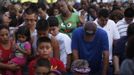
{"x": 63, "y": 39}
{"x": 42, "y": 67}
{"x": 44, "y": 49}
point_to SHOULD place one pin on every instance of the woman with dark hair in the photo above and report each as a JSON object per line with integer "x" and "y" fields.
{"x": 127, "y": 67}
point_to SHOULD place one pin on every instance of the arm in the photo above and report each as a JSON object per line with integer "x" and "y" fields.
{"x": 105, "y": 53}
{"x": 116, "y": 65}
{"x": 55, "y": 44}
{"x": 26, "y": 50}
{"x": 68, "y": 62}
{"x": 75, "y": 54}
{"x": 12, "y": 67}
{"x": 105, "y": 62}
{"x": 74, "y": 45}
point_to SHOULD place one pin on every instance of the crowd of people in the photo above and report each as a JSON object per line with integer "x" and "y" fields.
{"x": 67, "y": 38}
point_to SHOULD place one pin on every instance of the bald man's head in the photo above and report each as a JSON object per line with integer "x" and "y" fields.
{"x": 90, "y": 28}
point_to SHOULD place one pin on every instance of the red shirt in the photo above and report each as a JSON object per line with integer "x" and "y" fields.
{"x": 55, "y": 63}
{"x": 5, "y": 53}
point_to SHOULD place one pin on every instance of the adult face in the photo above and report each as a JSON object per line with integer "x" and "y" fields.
{"x": 128, "y": 20}
{"x": 6, "y": 20}
{"x": 84, "y": 4}
{"x": 102, "y": 21}
{"x": 30, "y": 20}
{"x": 63, "y": 8}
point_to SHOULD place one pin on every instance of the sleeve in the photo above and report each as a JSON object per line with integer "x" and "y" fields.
{"x": 61, "y": 66}
{"x": 74, "y": 44}
{"x": 31, "y": 67}
{"x": 27, "y": 46}
{"x": 104, "y": 40}
{"x": 56, "y": 64}
{"x": 67, "y": 42}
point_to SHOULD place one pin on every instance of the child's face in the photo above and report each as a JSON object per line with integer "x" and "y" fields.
{"x": 44, "y": 49}
{"x": 41, "y": 70}
{"x": 4, "y": 35}
{"x": 54, "y": 30}
{"x": 21, "y": 38}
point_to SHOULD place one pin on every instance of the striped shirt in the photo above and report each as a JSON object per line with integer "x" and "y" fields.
{"x": 122, "y": 27}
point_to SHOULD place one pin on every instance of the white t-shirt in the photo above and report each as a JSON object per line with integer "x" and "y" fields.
{"x": 65, "y": 46}
{"x": 112, "y": 33}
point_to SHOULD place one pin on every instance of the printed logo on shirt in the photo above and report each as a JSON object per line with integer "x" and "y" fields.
{"x": 69, "y": 24}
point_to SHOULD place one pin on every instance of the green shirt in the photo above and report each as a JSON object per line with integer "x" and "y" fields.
{"x": 67, "y": 26}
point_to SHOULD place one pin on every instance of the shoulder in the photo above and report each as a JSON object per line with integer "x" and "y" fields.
{"x": 101, "y": 31}
{"x": 127, "y": 64}
{"x": 111, "y": 21}
{"x": 58, "y": 16}
{"x": 27, "y": 43}
{"x": 32, "y": 63}
{"x": 63, "y": 35}
{"x": 120, "y": 22}
{"x": 79, "y": 29}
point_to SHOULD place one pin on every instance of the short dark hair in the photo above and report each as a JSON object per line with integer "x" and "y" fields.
{"x": 130, "y": 48}
{"x": 42, "y": 25}
{"x": 103, "y": 13}
{"x": 30, "y": 10}
{"x": 43, "y": 63}
{"x": 43, "y": 39}
{"x": 53, "y": 21}
{"x": 130, "y": 30}
{"x": 42, "y": 6}
{"x": 4, "y": 27}
{"x": 23, "y": 30}
{"x": 129, "y": 12}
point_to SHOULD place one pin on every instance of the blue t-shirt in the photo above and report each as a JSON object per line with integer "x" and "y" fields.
{"x": 91, "y": 51}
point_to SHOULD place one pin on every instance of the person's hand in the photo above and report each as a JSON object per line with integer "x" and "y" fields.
{"x": 13, "y": 67}
{"x": 116, "y": 72}
{"x": 17, "y": 47}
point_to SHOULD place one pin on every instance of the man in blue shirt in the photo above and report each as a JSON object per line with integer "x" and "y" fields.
{"x": 91, "y": 43}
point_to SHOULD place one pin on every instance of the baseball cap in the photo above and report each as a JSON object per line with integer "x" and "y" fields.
{"x": 90, "y": 28}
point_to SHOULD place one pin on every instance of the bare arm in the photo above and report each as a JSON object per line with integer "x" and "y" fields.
{"x": 116, "y": 65}
{"x": 9, "y": 66}
{"x": 68, "y": 62}
{"x": 55, "y": 44}
{"x": 105, "y": 62}
{"x": 75, "y": 54}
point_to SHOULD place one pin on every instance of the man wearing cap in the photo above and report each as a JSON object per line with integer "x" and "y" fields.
{"x": 91, "y": 43}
